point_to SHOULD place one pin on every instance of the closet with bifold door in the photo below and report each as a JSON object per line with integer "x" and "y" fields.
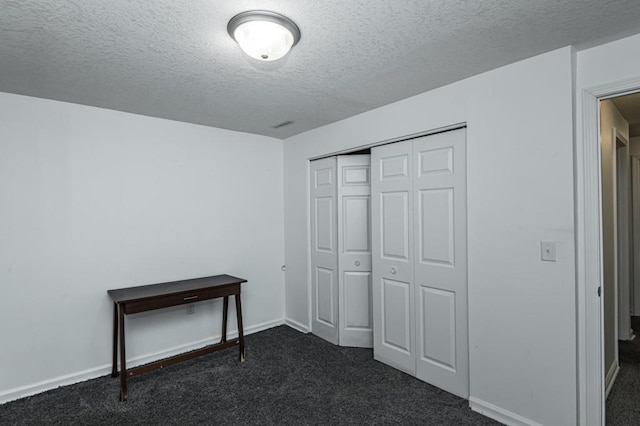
{"x": 419, "y": 252}
{"x": 340, "y": 189}
{"x": 389, "y": 255}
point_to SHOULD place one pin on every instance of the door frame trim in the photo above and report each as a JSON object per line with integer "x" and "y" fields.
{"x": 589, "y": 250}
{"x": 456, "y": 126}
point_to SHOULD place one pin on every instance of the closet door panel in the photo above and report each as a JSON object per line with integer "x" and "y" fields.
{"x": 392, "y": 237}
{"x": 441, "y": 261}
{"x": 357, "y": 300}
{"x": 355, "y": 219}
{"x": 396, "y": 319}
{"x": 325, "y": 283}
{"x": 354, "y": 245}
{"x": 436, "y": 224}
{"x": 324, "y": 249}
{"x": 394, "y": 209}
{"x": 438, "y": 326}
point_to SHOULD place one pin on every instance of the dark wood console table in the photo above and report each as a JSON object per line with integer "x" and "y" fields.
{"x": 155, "y": 296}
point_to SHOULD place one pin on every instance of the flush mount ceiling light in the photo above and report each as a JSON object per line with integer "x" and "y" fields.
{"x": 264, "y": 35}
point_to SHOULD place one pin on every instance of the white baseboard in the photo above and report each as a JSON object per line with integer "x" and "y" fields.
{"x": 611, "y": 377}
{"x": 499, "y": 414}
{"x": 92, "y": 373}
{"x": 296, "y": 325}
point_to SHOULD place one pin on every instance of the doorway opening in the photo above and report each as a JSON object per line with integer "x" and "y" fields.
{"x": 620, "y": 222}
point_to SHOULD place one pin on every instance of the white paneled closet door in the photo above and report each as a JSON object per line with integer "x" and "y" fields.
{"x": 341, "y": 250}
{"x": 440, "y": 248}
{"x": 420, "y": 258}
{"x": 324, "y": 250}
{"x": 392, "y": 236}
{"x": 354, "y": 246}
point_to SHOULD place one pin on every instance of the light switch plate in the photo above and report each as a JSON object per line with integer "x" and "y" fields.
{"x": 548, "y": 251}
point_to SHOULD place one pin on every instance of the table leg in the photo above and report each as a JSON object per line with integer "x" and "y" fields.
{"x": 240, "y": 330}
{"x": 123, "y": 358}
{"x": 114, "y": 367}
{"x": 225, "y": 308}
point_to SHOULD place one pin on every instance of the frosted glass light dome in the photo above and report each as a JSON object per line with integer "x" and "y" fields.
{"x": 263, "y": 35}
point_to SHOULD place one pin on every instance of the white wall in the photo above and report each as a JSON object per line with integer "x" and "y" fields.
{"x": 93, "y": 199}
{"x": 520, "y": 191}
{"x": 608, "y": 63}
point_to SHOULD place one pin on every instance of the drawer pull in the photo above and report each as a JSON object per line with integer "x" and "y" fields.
{"x": 190, "y": 298}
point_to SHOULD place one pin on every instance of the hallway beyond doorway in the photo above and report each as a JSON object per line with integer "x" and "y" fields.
{"x": 622, "y": 404}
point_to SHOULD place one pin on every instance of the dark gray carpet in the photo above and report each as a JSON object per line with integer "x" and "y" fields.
{"x": 288, "y": 378}
{"x": 623, "y": 404}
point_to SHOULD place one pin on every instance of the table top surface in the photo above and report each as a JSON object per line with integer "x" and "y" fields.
{"x": 154, "y": 290}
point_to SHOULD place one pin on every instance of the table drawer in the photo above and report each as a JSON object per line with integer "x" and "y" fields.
{"x": 165, "y": 301}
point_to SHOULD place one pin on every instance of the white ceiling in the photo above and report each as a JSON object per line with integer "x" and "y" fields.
{"x": 174, "y": 59}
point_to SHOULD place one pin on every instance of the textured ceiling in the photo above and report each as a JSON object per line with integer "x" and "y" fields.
{"x": 174, "y": 58}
